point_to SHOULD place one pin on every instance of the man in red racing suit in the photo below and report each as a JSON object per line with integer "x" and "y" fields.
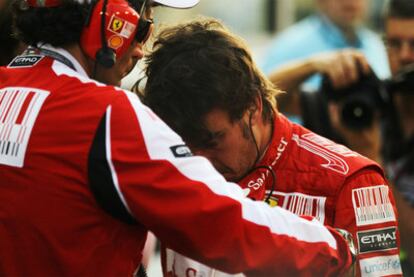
{"x": 287, "y": 166}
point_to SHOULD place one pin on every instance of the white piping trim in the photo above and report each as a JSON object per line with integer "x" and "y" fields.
{"x": 109, "y": 157}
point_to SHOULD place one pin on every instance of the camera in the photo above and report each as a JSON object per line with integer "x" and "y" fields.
{"x": 359, "y": 105}
{"x": 359, "y": 102}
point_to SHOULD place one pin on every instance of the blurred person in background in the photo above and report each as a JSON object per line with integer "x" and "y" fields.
{"x": 338, "y": 24}
{"x": 203, "y": 83}
{"x": 398, "y": 139}
{"x": 10, "y": 46}
{"x": 332, "y": 43}
{"x": 87, "y": 170}
{"x": 342, "y": 71}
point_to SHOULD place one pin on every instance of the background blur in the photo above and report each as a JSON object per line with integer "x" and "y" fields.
{"x": 256, "y": 21}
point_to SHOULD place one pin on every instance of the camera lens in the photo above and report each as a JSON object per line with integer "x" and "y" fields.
{"x": 357, "y": 115}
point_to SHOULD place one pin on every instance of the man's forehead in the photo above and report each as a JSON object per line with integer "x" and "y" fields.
{"x": 400, "y": 26}
{"x": 216, "y": 119}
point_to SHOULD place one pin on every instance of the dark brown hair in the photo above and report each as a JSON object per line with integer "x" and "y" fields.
{"x": 401, "y": 9}
{"x": 200, "y": 66}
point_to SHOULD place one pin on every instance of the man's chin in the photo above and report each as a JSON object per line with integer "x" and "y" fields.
{"x": 231, "y": 177}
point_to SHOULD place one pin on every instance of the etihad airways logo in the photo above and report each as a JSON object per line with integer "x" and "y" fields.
{"x": 377, "y": 240}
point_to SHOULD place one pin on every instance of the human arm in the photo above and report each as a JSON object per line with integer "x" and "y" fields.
{"x": 366, "y": 207}
{"x": 342, "y": 68}
{"x": 191, "y": 208}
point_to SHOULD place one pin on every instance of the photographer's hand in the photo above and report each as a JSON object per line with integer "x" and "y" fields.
{"x": 342, "y": 67}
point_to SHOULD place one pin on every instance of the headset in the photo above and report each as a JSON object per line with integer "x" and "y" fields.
{"x": 110, "y": 28}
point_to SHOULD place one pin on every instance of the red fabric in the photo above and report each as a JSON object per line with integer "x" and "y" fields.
{"x": 311, "y": 165}
{"x": 316, "y": 178}
{"x": 51, "y": 225}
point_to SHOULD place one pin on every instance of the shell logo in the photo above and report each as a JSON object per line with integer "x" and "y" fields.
{"x": 115, "y": 42}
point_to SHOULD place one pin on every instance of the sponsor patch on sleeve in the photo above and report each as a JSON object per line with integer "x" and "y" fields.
{"x": 380, "y": 266}
{"x": 25, "y": 61}
{"x": 180, "y": 151}
{"x": 372, "y": 205}
{"x": 19, "y": 108}
{"x": 377, "y": 240}
{"x": 302, "y": 204}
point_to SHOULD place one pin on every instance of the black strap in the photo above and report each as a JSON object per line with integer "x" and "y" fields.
{"x": 52, "y": 54}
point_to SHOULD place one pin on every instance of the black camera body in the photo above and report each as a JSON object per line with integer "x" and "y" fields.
{"x": 359, "y": 102}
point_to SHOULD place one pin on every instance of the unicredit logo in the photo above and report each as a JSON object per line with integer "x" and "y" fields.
{"x": 381, "y": 266}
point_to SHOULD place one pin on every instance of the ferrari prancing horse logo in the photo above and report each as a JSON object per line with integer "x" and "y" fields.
{"x": 121, "y": 26}
{"x": 116, "y": 24}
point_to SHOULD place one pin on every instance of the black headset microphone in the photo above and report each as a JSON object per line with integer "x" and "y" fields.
{"x": 105, "y": 56}
{"x": 266, "y": 167}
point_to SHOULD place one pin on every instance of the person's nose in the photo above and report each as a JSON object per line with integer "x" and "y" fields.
{"x": 137, "y": 52}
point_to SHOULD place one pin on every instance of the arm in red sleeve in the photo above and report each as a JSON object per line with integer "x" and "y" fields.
{"x": 366, "y": 208}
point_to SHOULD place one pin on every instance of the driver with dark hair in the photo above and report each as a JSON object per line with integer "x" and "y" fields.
{"x": 203, "y": 82}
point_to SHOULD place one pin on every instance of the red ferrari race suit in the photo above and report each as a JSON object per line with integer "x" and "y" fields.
{"x": 86, "y": 170}
{"x": 315, "y": 177}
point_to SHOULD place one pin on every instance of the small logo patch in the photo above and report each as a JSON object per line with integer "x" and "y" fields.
{"x": 19, "y": 108}
{"x": 372, "y": 205}
{"x": 302, "y": 204}
{"x": 380, "y": 266}
{"x": 273, "y": 201}
{"x": 180, "y": 151}
{"x": 115, "y": 42}
{"x": 25, "y": 61}
{"x": 377, "y": 240}
{"x": 117, "y": 24}
{"x": 121, "y": 27}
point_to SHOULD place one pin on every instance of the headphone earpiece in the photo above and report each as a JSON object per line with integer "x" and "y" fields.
{"x": 106, "y": 57}
{"x": 109, "y": 31}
